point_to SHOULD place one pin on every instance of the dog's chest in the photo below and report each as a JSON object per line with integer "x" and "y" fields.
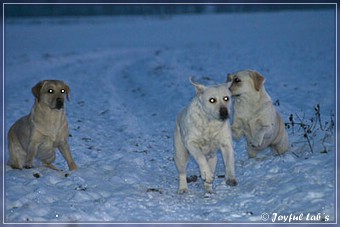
{"x": 208, "y": 137}
{"x": 207, "y": 146}
{"x": 52, "y": 126}
{"x": 53, "y": 130}
{"x": 242, "y": 109}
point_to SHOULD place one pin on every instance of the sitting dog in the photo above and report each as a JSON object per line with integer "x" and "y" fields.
{"x": 202, "y": 128}
{"x": 38, "y": 134}
{"x": 255, "y": 116}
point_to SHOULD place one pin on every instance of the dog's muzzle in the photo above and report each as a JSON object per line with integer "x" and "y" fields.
{"x": 224, "y": 114}
{"x": 59, "y": 103}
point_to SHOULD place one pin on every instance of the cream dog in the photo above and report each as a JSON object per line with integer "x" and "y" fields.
{"x": 38, "y": 134}
{"x": 255, "y": 116}
{"x": 202, "y": 128}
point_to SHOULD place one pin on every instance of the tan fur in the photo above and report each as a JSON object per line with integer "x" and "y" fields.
{"x": 201, "y": 129}
{"x": 38, "y": 134}
{"x": 255, "y": 116}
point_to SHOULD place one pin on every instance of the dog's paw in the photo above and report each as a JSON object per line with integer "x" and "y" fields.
{"x": 182, "y": 190}
{"x": 231, "y": 182}
{"x": 208, "y": 188}
{"x": 73, "y": 166}
{"x": 252, "y": 152}
{"x": 28, "y": 166}
{"x": 255, "y": 142}
{"x": 207, "y": 177}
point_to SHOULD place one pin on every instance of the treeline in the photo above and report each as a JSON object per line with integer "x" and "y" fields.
{"x": 29, "y": 10}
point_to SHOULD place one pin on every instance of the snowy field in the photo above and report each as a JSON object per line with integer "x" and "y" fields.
{"x": 129, "y": 79}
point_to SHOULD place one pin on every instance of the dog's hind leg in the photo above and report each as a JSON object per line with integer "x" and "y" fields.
{"x": 17, "y": 154}
{"x": 181, "y": 160}
{"x": 281, "y": 144}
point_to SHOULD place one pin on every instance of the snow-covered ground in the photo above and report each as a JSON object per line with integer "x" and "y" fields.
{"x": 129, "y": 79}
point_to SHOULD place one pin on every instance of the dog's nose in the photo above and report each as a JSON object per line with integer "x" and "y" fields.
{"x": 59, "y": 103}
{"x": 224, "y": 114}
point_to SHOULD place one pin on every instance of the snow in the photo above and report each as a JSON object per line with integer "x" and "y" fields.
{"x": 129, "y": 80}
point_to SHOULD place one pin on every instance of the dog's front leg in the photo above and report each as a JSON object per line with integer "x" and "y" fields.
{"x": 181, "y": 161}
{"x": 65, "y": 151}
{"x": 258, "y": 130}
{"x": 229, "y": 163}
{"x": 203, "y": 164}
{"x": 236, "y": 128}
{"x": 31, "y": 153}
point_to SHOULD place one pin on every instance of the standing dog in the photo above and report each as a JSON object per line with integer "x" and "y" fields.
{"x": 255, "y": 116}
{"x": 202, "y": 128}
{"x": 38, "y": 134}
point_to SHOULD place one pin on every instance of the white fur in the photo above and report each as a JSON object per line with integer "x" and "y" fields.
{"x": 255, "y": 117}
{"x": 200, "y": 132}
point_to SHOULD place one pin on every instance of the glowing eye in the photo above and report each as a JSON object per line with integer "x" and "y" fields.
{"x": 226, "y": 98}
{"x": 50, "y": 91}
{"x": 237, "y": 80}
{"x": 212, "y": 100}
{"x": 62, "y": 90}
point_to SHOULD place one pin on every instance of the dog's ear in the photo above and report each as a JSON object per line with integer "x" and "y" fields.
{"x": 68, "y": 91}
{"x": 258, "y": 80}
{"x": 199, "y": 87}
{"x": 36, "y": 89}
{"x": 230, "y": 77}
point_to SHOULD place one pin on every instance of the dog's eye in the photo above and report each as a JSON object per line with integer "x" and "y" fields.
{"x": 212, "y": 100}
{"x": 226, "y": 98}
{"x": 50, "y": 91}
{"x": 62, "y": 90}
{"x": 237, "y": 80}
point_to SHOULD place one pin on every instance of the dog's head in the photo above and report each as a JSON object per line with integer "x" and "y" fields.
{"x": 243, "y": 82}
{"x": 214, "y": 100}
{"x": 51, "y": 93}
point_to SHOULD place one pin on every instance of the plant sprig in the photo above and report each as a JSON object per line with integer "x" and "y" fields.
{"x": 310, "y": 127}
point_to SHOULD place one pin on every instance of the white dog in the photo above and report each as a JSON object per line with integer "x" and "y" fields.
{"x": 202, "y": 128}
{"x": 255, "y": 116}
